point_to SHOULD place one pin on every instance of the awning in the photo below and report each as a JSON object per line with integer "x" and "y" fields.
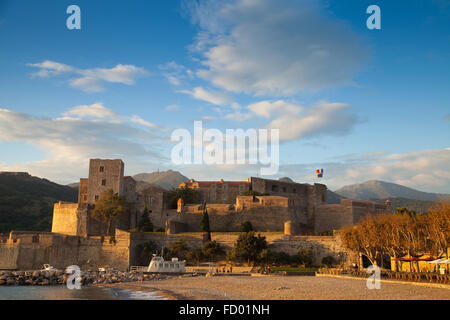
{"x": 441, "y": 261}
{"x": 414, "y": 259}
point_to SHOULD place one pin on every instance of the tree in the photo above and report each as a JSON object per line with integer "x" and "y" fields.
{"x": 248, "y": 247}
{"x": 145, "y": 225}
{"x": 246, "y": 226}
{"x": 212, "y": 249}
{"x": 179, "y": 248}
{"x": 305, "y": 257}
{"x": 402, "y": 233}
{"x": 204, "y": 223}
{"x": 188, "y": 195}
{"x": 109, "y": 207}
{"x": 144, "y": 252}
{"x": 195, "y": 255}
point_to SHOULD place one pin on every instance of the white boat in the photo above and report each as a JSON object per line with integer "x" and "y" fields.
{"x": 48, "y": 267}
{"x": 159, "y": 265}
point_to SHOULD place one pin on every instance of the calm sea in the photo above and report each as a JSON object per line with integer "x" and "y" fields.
{"x": 62, "y": 293}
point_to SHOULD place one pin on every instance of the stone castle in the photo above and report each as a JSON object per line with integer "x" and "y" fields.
{"x": 290, "y": 214}
{"x": 271, "y": 205}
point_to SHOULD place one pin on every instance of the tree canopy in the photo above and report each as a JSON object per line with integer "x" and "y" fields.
{"x": 109, "y": 207}
{"x": 400, "y": 234}
{"x": 249, "y": 247}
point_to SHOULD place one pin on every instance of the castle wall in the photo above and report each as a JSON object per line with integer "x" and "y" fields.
{"x": 263, "y": 218}
{"x": 335, "y": 216}
{"x": 320, "y": 246}
{"x": 217, "y": 191}
{"x": 83, "y": 193}
{"x": 65, "y": 218}
{"x": 29, "y": 251}
{"x": 61, "y": 251}
{"x": 332, "y": 216}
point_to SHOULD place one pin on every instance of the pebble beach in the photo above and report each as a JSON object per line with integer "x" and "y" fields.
{"x": 283, "y": 288}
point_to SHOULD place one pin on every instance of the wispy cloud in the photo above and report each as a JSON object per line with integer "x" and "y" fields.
{"x": 90, "y": 80}
{"x": 211, "y": 96}
{"x": 175, "y": 73}
{"x": 274, "y": 47}
{"x": 68, "y": 142}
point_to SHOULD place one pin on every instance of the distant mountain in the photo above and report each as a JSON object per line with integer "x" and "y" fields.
{"x": 75, "y": 185}
{"x": 333, "y": 197}
{"x": 419, "y": 206}
{"x": 26, "y": 202}
{"x": 286, "y": 179}
{"x": 164, "y": 179}
{"x": 375, "y": 189}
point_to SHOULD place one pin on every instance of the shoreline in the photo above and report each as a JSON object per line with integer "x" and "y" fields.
{"x": 281, "y": 288}
{"x": 135, "y": 286}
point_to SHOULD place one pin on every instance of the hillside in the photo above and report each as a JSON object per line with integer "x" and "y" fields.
{"x": 26, "y": 202}
{"x": 375, "y": 189}
{"x": 333, "y": 198}
{"x": 164, "y": 179}
{"x": 419, "y": 206}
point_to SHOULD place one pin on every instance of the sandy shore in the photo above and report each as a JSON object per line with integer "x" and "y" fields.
{"x": 282, "y": 288}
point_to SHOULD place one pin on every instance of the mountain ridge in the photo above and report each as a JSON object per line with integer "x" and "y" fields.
{"x": 377, "y": 189}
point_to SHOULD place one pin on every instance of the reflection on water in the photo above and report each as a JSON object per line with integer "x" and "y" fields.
{"x": 62, "y": 293}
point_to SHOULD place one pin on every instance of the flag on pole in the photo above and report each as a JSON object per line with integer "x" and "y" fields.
{"x": 319, "y": 173}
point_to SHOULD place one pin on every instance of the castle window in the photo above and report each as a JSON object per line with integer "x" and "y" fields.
{"x": 102, "y": 169}
{"x": 284, "y": 189}
{"x": 96, "y": 197}
{"x": 104, "y": 182}
{"x": 274, "y": 188}
{"x": 294, "y": 191}
{"x": 85, "y": 198}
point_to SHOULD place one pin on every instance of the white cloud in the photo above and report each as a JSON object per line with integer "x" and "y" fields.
{"x": 175, "y": 73}
{"x": 91, "y": 80}
{"x": 425, "y": 170}
{"x": 274, "y": 47}
{"x": 296, "y": 121}
{"x": 96, "y": 110}
{"x": 432, "y": 175}
{"x": 211, "y": 96}
{"x": 145, "y": 123}
{"x": 69, "y": 143}
{"x": 172, "y": 107}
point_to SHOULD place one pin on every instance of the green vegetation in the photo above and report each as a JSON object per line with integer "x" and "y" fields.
{"x": 187, "y": 194}
{"x": 109, "y": 207}
{"x": 404, "y": 233}
{"x": 144, "y": 253}
{"x": 178, "y": 249}
{"x": 210, "y": 251}
{"x": 246, "y": 226}
{"x": 328, "y": 261}
{"x": 204, "y": 223}
{"x": 145, "y": 225}
{"x": 248, "y": 247}
{"x": 26, "y": 202}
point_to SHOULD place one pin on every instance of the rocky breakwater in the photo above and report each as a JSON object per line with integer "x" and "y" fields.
{"x": 58, "y": 277}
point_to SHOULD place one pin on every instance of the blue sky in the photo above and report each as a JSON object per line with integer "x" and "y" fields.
{"x": 362, "y": 104}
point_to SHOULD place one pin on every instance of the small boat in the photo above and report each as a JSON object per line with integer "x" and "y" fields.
{"x": 159, "y": 265}
{"x": 105, "y": 269}
{"x": 48, "y": 267}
